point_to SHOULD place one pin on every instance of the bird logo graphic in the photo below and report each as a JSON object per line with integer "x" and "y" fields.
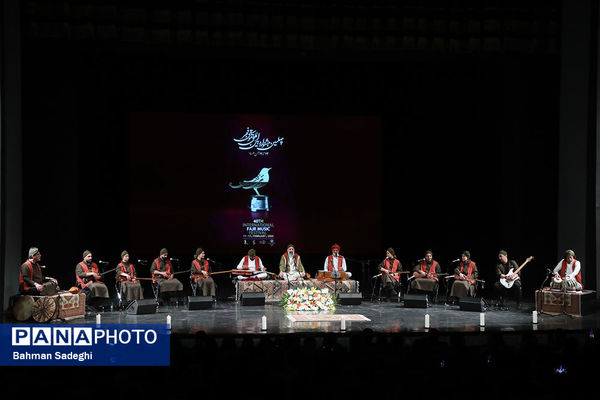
{"x": 256, "y": 183}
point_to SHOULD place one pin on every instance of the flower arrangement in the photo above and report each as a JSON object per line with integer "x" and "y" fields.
{"x": 308, "y": 299}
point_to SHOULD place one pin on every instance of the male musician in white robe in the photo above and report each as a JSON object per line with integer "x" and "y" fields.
{"x": 569, "y": 269}
{"x": 290, "y": 265}
{"x": 253, "y": 264}
{"x": 336, "y": 262}
{"x": 503, "y": 268}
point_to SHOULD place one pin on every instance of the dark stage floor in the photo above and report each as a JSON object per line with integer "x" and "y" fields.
{"x": 224, "y": 351}
{"x": 228, "y": 317}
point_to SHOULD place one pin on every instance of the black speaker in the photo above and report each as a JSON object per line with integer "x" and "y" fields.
{"x": 471, "y": 304}
{"x": 415, "y": 301}
{"x": 138, "y": 307}
{"x": 199, "y": 302}
{"x": 253, "y": 299}
{"x": 349, "y": 299}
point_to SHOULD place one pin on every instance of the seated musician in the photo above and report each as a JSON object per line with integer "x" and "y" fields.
{"x": 290, "y": 265}
{"x": 200, "y": 274}
{"x": 569, "y": 269}
{"x": 336, "y": 262}
{"x": 503, "y": 267}
{"x": 465, "y": 275}
{"x": 425, "y": 274}
{"x": 31, "y": 279}
{"x": 252, "y": 263}
{"x": 88, "y": 279}
{"x": 389, "y": 279}
{"x": 162, "y": 273}
{"x": 130, "y": 286}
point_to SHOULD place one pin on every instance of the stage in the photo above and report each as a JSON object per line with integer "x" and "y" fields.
{"x": 233, "y": 318}
{"x": 228, "y": 351}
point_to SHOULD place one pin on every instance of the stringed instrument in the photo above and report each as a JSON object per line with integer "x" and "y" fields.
{"x": 508, "y": 283}
{"x": 110, "y": 270}
{"x": 428, "y": 276}
{"x": 168, "y": 276}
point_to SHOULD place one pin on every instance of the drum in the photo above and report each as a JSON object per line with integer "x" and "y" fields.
{"x": 22, "y": 308}
{"x": 45, "y": 308}
{"x": 570, "y": 284}
{"x": 557, "y": 283}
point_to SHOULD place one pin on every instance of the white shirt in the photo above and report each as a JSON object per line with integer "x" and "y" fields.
{"x": 251, "y": 264}
{"x": 570, "y": 272}
{"x": 292, "y": 262}
{"x": 335, "y": 263}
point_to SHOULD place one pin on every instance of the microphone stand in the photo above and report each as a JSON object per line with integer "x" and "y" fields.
{"x": 548, "y": 273}
{"x": 365, "y": 264}
{"x": 564, "y": 299}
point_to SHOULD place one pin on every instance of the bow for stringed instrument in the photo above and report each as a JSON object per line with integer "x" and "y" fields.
{"x": 508, "y": 283}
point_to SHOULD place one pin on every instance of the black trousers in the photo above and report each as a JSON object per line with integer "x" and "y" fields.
{"x": 514, "y": 291}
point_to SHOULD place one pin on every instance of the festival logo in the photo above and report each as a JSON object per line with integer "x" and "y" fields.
{"x": 252, "y": 140}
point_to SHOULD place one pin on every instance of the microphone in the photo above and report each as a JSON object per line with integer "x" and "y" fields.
{"x": 103, "y": 262}
{"x": 42, "y": 266}
{"x": 174, "y": 259}
{"x": 453, "y": 261}
{"x": 142, "y": 261}
{"x": 549, "y": 271}
{"x": 420, "y": 259}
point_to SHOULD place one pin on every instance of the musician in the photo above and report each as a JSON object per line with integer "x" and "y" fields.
{"x": 336, "y": 262}
{"x": 131, "y": 287}
{"x": 387, "y": 268}
{"x": 290, "y": 264}
{"x": 465, "y": 275}
{"x": 162, "y": 272}
{"x": 252, "y": 262}
{"x": 88, "y": 279}
{"x": 31, "y": 280}
{"x": 200, "y": 274}
{"x": 425, "y": 274}
{"x": 503, "y": 267}
{"x": 569, "y": 269}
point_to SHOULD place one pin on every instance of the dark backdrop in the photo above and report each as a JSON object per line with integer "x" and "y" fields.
{"x": 469, "y": 140}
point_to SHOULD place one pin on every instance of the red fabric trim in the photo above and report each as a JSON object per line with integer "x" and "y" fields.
{"x": 247, "y": 262}
{"x": 563, "y": 270}
{"x": 330, "y": 262}
{"x": 469, "y": 270}
{"x": 431, "y": 270}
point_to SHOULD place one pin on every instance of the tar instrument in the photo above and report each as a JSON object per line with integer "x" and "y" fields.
{"x": 508, "y": 283}
{"x": 110, "y": 270}
{"x": 428, "y": 276}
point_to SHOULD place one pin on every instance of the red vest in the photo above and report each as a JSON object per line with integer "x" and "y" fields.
{"x": 198, "y": 267}
{"x": 169, "y": 267}
{"x": 386, "y": 265}
{"x": 130, "y": 271}
{"x": 30, "y": 266}
{"x": 563, "y": 270}
{"x": 469, "y": 270}
{"x": 86, "y": 270}
{"x": 256, "y": 263}
{"x": 330, "y": 262}
{"x": 431, "y": 270}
